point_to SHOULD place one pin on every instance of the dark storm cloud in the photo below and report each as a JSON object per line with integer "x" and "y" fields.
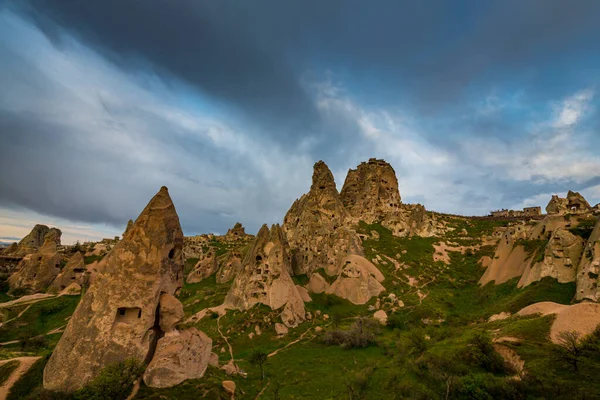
{"x": 251, "y": 54}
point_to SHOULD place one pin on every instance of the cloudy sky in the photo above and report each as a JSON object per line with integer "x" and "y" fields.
{"x": 477, "y": 105}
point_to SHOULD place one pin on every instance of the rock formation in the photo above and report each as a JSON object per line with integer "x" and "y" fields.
{"x": 237, "y": 232}
{"x": 265, "y": 278}
{"x": 127, "y": 228}
{"x": 560, "y": 259}
{"x": 588, "y": 273}
{"x": 370, "y": 194}
{"x": 358, "y": 281}
{"x": 370, "y": 191}
{"x": 73, "y": 272}
{"x": 230, "y": 266}
{"x": 34, "y": 240}
{"x": 119, "y": 316}
{"x": 317, "y": 229}
{"x": 36, "y": 271}
{"x": 204, "y": 268}
{"x": 573, "y": 203}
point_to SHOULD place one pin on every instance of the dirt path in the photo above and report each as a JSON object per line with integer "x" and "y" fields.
{"x": 290, "y": 343}
{"x": 24, "y": 364}
{"x": 18, "y": 316}
{"x": 225, "y": 338}
{"x": 263, "y": 390}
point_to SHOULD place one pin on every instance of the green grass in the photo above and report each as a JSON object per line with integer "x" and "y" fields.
{"x": 40, "y": 318}
{"x": 204, "y": 294}
{"x": 6, "y": 370}
{"x": 31, "y": 380}
{"x": 91, "y": 259}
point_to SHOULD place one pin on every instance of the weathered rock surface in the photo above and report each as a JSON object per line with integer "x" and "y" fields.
{"x": 358, "y": 281}
{"x": 573, "y": 203}
{"x": 116, "y": 319}
{"x": 265, "y": 278}
{"x": 36, "y": 271}
{"x": 588, "y": 273}
{"x": 317, "y": 284}
{"x": 237, "y": 232}
{"x": 229, "y": 387}
{"x": 381, "y": 316}
{"x": 180, "y": 355}
{"x": 230, "y": 266}
{"x": 127, "y": 228}
{"x": 34, "y": 240}
{"x": 317, "y": 229}
{"x": 204, "y": 268}
{"x": 73, "y": 272}
{"x": 561, "y": 258}
{"x": 170, "y": 312}
{"x": 370, "y": 191}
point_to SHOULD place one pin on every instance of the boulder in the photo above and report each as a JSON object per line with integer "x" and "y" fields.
{"x": 265, "y": 278}
{"x": 381, "y": 316}
{"x": 179, "y": 355}
{"x": 229, "y": 387}
{"x": 213, "y": 360}
{"x": 73, "y": 272}
{"x": 358, "y": 282}
{"x": 281, "y": 329}
{"x": 117, "y": 317}
{"x": 317, "y": 284}
{"x": 170, "y": 312}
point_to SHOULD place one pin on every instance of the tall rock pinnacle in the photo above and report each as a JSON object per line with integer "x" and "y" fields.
{"x": 118, "y": 317}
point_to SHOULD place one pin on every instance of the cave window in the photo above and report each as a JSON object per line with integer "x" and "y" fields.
{"x": 128, "y": 315}
{"x": 259, "y": 258}
{"x": 171, "y": 254}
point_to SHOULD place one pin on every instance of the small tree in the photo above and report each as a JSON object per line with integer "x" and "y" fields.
{"x": 259, "y": 358}
{"x": 569, "y": 348}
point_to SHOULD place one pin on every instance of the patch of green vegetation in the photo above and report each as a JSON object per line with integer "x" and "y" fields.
{"x": 208, "y": 387}
{"x": 584, "y": 228}
{"x": 6, "y": 370}
{"x": 220, "y": 248}
{"x": 91, "y": 259}
{"x": 40, "y": 318}
{"x": 533, "y": 248}
{"x": 29, "y": 381}
{"x": 204, "y": 294}
{"x": 190, "y": 263}
{"x": 301, "y": 280}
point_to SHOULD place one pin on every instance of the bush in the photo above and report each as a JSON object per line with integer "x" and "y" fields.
{"x": 362, "y": 333}
{"x": 114, "y": 382}
{"x": 481, "y": 353}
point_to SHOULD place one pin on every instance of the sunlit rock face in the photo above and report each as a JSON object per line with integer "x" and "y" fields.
{"x": 265, "y": 278}
{"x": 118, "y": 317}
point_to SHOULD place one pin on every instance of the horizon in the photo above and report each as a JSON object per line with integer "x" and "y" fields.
{"x": 477, "y": 107}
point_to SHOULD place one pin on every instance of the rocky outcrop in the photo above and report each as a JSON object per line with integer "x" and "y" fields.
{"x": 36, "y": 271}
{"x": 230, "y": 266}
{"x": 265, "y": 278}
{"x": 127, "y": 228}
{"x": 510, "y": 259}
{"x": 34, "y": 240}
{"x": 204, "y": 268}
{"x": 237, "y": 232}
{"x": 73, "y": 272}
{"x": 560, "y": 259}
{"x": 317, "y": 228}
{"x": 573, "y": 203}
{"x": 588, "y": 272}
{"x": 370, "y": 191}
{"x": 180, "y": 355}
{"x": 359, "y": 280}
{"x": 118, "y": 316}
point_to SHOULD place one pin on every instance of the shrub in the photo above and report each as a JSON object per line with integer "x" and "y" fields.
{"x": 481, "y": 353}
{"x": 115, "y": 381}
{"x": 569, "y": 349}
{"x": 362, "y": 333}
